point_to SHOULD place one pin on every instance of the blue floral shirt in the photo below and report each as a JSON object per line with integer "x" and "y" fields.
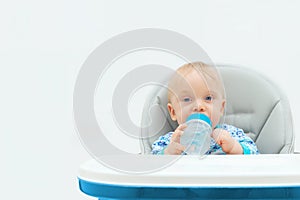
{"x": 238, "y": 134}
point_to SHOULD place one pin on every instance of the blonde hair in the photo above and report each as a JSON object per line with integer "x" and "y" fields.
{"x": 202, "y": 68}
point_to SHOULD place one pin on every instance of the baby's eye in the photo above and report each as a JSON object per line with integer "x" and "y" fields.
{"x": 209, "y": 98}
{"x": 187, "y": 99}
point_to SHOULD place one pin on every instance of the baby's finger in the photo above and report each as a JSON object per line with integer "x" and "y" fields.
{"x": 181, "y": 127}
{"x": 217, "y": 135}
{"x": 176, "y": 136}
{"x": 179, "y": 148}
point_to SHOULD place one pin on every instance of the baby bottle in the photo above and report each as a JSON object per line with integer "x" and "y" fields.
{"x": 196, "y": 136}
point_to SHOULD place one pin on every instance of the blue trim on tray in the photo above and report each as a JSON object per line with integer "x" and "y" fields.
{"x": 115, "y": 191}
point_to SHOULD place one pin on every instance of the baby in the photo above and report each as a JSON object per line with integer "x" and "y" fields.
{"x": 197, "y": 88}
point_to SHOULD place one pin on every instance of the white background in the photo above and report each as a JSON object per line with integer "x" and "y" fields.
{"x": 43, "y": 45}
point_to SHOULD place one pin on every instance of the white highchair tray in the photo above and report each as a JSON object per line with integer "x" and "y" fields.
{"x": 214, "y": 177}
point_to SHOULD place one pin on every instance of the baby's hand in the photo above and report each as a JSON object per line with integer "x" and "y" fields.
{"x": 227, "y": 143}
{"x": 174, "y": 147}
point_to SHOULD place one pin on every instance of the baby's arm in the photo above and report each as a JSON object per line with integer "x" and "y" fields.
{"x": 237, "y": 134}
{"x": 228, "y": 144}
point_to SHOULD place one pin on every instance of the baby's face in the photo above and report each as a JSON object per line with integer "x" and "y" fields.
{"x": 195, "y": 93}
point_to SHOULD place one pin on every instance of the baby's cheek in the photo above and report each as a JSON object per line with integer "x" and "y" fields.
{"x": 185, "y": 112}
{"x": 216, "y": 117}
{"x": 215, "y": 121}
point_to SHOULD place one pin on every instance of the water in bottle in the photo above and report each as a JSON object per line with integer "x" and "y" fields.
{"x": 196, "y": 136}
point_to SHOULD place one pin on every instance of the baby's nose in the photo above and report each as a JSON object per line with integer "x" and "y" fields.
{"x": 199, "y": 107}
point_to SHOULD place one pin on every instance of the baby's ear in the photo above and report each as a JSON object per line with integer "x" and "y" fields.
{"x": 223, "y": 106}
{"x": 172, "y": 112}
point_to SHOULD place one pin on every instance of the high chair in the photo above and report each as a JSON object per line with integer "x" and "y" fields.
{"x": 254, "y": 104}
